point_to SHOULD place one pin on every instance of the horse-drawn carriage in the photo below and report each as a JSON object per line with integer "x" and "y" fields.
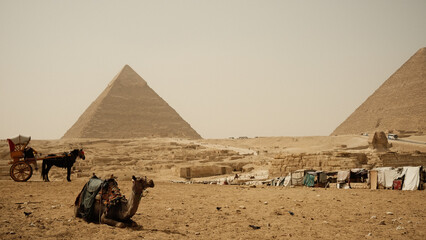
{"x": 23, "y": 157}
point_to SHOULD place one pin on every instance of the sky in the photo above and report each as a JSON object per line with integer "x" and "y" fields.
{"x": 228, "y": 67}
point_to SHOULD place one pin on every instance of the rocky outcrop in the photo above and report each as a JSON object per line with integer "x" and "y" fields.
{"x": 378, "y": 141}
{"x": 281, "y": 165}
{"x": 327, "y": 161}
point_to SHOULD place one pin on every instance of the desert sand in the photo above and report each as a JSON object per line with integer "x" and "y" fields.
{"x": 190, "y": 211}
{"x": 205, "y": 211}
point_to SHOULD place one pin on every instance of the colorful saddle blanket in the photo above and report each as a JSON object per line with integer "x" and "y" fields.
{"x": 108, "y": 190}
{"x": 110, "y": 193}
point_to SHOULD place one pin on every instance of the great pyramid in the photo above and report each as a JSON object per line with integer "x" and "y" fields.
{"x": 129, "y": 108}
{"x": 398, "y": 104}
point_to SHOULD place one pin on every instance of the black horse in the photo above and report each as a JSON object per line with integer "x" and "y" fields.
{"x": 66, "y": 160}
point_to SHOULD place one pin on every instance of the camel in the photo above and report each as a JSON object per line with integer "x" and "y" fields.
{"x": 120, "y": 212}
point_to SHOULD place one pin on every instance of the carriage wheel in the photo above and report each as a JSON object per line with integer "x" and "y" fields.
{"x": 21, "y": 171}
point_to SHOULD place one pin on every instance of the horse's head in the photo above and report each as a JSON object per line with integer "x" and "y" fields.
{"x": 140, "y": 184}
{"x": 80, "y": 153}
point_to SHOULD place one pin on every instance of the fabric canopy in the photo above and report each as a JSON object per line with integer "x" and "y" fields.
{"x": 412, "y": 178}
{"x": 287, "y": 180}
{"x": 309, "y": 180}
{"x": 391, "y": 175}
{"x": 381, "y": 175}
{"x": 20, "y": 140}
{"x": 342, "y": 176}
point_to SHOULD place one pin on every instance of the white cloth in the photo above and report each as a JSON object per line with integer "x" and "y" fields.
{"x": 381, "y": 175}
{"x": 287, "y": 180}
{"x": 412, "y": 178}
{"x": 342, "y": 176}
{"x": 281, "y": 181}
{"x": 297, "y": 179}
{"x": 389, "y": 176}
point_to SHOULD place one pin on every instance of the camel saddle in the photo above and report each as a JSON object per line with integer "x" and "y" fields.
{"x": 96, "y": 189}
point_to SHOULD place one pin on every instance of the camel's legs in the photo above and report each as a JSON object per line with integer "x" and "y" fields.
{"x": 112, "y": 222}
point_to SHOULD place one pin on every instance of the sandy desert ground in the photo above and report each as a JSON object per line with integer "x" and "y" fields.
{"x": 190, "y": 211}
{"x": 198, "y": 211}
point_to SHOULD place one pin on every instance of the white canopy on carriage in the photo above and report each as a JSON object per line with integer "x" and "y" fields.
{"x": 23, "y": 140}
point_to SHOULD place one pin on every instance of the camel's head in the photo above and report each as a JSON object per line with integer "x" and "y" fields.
{"x": 140, "y": 184}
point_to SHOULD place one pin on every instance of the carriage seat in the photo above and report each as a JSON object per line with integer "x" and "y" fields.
{"x": 16, "y": 151}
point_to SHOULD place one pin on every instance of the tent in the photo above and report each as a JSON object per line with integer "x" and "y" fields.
{"x": 381, "y": 175}
{"x": 315, "y": 179}
{"x": 411, "y": 178}
{"x": 309, "y": 180}
{"x": 298, "y": 176}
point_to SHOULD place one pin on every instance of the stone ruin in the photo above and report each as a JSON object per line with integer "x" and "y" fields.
{"x": 379, "y": 141}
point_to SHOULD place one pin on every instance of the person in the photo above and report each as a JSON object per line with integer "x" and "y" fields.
{"x": 30, "y": 153}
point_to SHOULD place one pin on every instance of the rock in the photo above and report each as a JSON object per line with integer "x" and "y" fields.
{"x": 373, "y": 217}
{"x": 369, "y": 235}
{"x": 254, "y": 227}
{"x": 278, "y": 212}
{"x": 400, "y": 228}
{"x": 379, "y": 141}
{"x": 242, "y": 207}
{"x": 197, "y": 233}
{"x": 169, "y": 209}
{"x": 291, "y": 213}
{"x": 266, "y": 203}
{"x": 382, "y": 222}
{"x": 389, "y": 213}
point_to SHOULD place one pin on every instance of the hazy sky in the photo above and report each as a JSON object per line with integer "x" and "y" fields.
{"x": 229, "y": 68}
